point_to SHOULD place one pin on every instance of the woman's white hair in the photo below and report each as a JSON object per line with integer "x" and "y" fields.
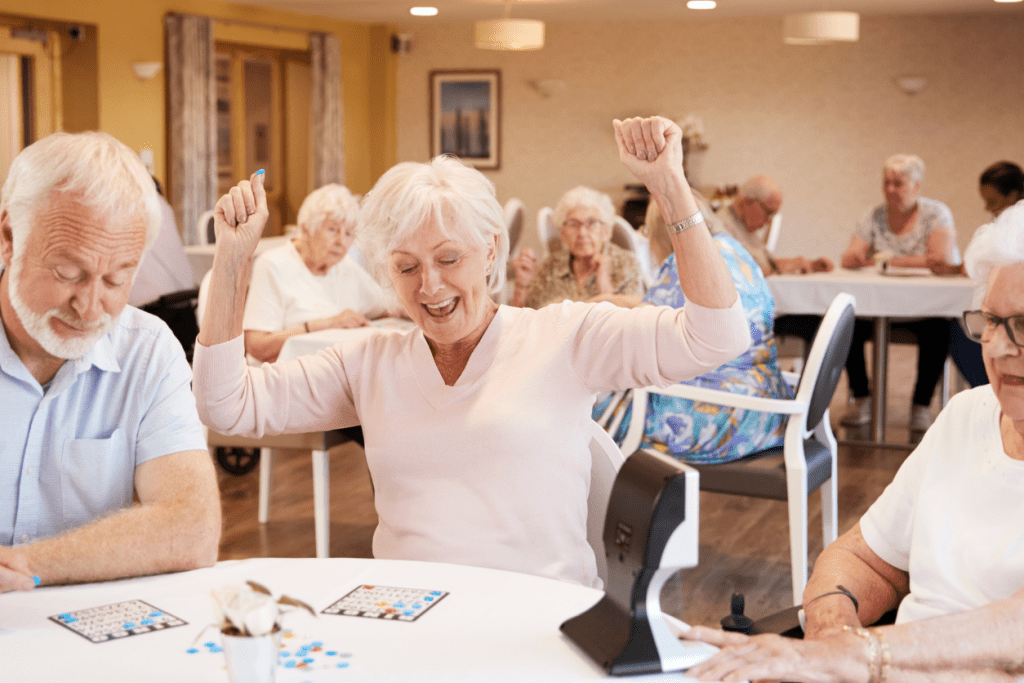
{"x": 445, "y": 191}
{"x": 909, "y": 166}
{"x": 101, "y": 173}
{"x": 999, "y": 243}
{"x": 589, "y": 198}
{"x": 330, "y": 202}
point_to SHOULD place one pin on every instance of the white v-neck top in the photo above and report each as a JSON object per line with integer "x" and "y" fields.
{"x": 495, "y": 470}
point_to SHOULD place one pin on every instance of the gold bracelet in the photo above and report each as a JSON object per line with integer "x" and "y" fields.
{"x": 872, "y": 651}
{"x": 883, "y": 670}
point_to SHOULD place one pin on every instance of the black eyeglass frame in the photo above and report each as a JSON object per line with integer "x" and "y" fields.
{"x": 986, "y": 319}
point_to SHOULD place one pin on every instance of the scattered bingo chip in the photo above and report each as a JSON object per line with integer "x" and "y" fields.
{"x": 386, "y": 602}
{"x": 116, "y": 621}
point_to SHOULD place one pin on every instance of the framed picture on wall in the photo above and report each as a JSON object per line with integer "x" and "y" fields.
{"x": 465, "y": 116}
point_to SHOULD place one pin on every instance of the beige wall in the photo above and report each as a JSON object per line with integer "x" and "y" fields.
{"x": 821, "y": 120}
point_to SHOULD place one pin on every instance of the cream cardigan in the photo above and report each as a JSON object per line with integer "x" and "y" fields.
{"x": 493, "y": 471}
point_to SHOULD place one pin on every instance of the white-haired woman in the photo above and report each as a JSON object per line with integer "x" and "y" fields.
{"x": 945, "y": 540}
{"x": 590, "y": 266}
{"x": 910, "y": 231}
{"x": 477, "y": 422}
{"x": 307, "y": 284}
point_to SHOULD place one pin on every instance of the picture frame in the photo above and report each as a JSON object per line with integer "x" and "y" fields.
{"x": 465, "y": 116}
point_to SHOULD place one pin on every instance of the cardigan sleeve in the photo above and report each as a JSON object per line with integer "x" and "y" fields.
{"x": 307, "y": 394}
{"x": 612, "y": 348}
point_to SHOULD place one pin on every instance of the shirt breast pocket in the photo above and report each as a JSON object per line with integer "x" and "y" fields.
{"x": 97, "y": 477}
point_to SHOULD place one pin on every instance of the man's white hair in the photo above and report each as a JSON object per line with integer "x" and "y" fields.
{"x": 999, "y": 243}
{"x": 102, "y": 174}
{"x": 446, "y": 191}
{"x": 589, "y": 198}
{"x": 909, "y": 166}
{"x": 331, "y": 202}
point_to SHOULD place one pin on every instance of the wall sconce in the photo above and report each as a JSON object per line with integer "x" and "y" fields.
{"x": 911, "y": 84}
{"x": 146, "y": 70}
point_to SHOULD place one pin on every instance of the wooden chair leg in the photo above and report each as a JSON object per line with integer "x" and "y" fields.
{"x": 266, "y": 478}
{"x": 322, "y": 503}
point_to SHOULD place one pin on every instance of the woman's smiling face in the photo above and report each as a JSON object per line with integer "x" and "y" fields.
{"x": 441, "y": 282}
{"x": 1004, "y": 360}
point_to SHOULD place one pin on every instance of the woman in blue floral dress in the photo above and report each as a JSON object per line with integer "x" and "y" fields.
{"x": 707, "y": 433}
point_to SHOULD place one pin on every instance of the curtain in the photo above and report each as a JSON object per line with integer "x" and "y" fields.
{"x": 192, "y": 111}
{"x": 327, "y": 140}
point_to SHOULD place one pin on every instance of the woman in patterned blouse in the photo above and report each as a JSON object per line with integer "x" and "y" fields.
{"x": 590, "y": 266}
{"x": 705, "y": 433}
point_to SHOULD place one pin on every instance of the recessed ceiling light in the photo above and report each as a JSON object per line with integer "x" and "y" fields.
{"x": 701, "y": 4}
{"x": 423, "y": 11}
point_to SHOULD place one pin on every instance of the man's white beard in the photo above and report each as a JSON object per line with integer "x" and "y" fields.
{"x": 38, "y": 325}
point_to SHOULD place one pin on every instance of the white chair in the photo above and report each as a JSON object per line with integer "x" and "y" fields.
{"x": 547, "y": 234}
{"x": 807, "y": 459}
{"x": 204, "y": 228}
{"x": 514, "y": 212}
{"x": 605, "y": 461}
{"x": 771, "y": 237}
{"x": 318, "y": 443}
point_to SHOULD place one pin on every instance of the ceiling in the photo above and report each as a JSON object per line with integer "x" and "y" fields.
{"x": 397, "y": 11}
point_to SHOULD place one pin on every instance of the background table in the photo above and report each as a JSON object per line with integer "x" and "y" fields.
{"x": 493, "y": 626}
{"x": 881, "y": 297}
{"x": 306, "y": 344}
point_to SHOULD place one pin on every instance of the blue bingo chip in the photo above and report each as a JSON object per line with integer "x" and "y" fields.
{"x": 192, "y": 650}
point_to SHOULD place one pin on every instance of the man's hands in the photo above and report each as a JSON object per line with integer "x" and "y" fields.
{"x": 15, "y": 574}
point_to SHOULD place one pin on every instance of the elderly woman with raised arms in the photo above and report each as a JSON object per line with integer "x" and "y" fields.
{"x": 308, "y": 284}
{"x": 477, "y": 422}
{"x": 945, "y": 540}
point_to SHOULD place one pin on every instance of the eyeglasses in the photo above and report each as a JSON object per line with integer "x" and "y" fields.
{"x": 981, "y": 325}
{"x": 589, "y": 224}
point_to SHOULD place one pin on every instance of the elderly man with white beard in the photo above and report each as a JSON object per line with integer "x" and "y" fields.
{"x": 104, "y": 471}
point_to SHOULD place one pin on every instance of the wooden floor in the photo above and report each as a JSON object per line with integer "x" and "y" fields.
{"x": 744, "y": 542}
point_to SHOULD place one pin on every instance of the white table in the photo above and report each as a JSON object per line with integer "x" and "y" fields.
{"x": 200, "y": 256}
{"x": 306, "y": 344}
{"x": 881, "y": 297}
{"x": 493, "y": 626}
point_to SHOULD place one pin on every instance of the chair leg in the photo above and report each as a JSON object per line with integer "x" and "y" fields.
{"x": 266, "y": 477}
{"x": 322, "y": 503}
{"x": 797, "y": 493}
{"x": 829, "y": 512}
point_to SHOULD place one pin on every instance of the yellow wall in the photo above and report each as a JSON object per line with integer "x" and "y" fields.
{"x": 133, "y": 30}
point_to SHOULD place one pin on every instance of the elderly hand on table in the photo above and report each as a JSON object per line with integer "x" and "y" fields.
{"x": 843, "y": 656}
{"x": 15, "y": 574}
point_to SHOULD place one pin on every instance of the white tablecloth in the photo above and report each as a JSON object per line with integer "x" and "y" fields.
{"x": 493, "y": 626}
{"x": 306, "y": 344}
{"x": 877, "y": 295}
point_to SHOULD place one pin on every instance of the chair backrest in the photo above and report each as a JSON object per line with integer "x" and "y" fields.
{"x": 827, "y": 358}
{"x": 514, "y": 211}
{"x": 204, "y": 228}
{"x": 771, "y": 238}
{"x": 547, "y": 233}
{"x": 624, "y": 236}
{"x": 605, "y": 461}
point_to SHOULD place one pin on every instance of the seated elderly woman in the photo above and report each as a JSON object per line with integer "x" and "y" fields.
{"x": 713, "y": 434}
{"x": 909, "y": 231}
{"x": 588, "y": 267}
{"x": 308, "y": 284}
{"x": 477, "y": 422}
{"x": 944, "y": 541}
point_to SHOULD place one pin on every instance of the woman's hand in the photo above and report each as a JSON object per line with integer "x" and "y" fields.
{"x": 347, "y": 319}
{"x": 650, "y": 147}
{"x": 603, "y": 274}
{"x": 843, "y": 657}
{"x": 240, "y": 216}
{"x": 525, "y": 266}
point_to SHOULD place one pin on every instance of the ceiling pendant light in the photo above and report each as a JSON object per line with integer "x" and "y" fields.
{"x": 820, "y": 28}
{"x": 508, "y": 33}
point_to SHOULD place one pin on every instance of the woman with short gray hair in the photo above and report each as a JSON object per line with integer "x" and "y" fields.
{"x": 589, "y": 267}
{"x": 476, "y": 423}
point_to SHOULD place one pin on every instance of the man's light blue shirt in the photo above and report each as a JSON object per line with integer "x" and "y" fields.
{"x": 68, "y": 453}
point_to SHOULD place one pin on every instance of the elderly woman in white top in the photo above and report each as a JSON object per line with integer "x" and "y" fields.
{"x": 945, "y": 540}
{"x": 308, "y": 284}
{"x": 476, "y": 422}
